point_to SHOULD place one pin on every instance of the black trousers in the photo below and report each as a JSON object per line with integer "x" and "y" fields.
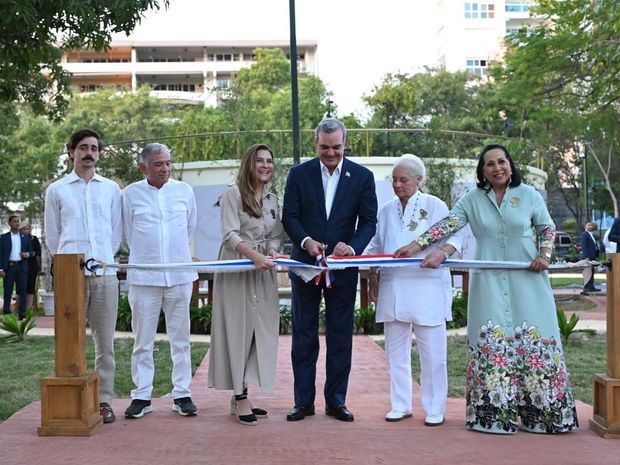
{"x": 339, "y": 318}
{"x": 15, "y": 276}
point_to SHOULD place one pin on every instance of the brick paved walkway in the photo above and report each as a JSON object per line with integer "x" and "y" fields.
{"x": 214, "y": 437}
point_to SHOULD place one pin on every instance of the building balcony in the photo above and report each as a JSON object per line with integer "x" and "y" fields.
{"x": 179, "y": 97}
{"x": 97, "y": 68}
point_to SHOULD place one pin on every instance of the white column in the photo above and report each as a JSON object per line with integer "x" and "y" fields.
{"x": 134, "y": 60}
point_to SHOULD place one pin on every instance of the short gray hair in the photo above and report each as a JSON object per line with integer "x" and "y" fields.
{"x": 154, "y": 147}
{"x": 414, "y": 164}
{"x": 329, "y": 126}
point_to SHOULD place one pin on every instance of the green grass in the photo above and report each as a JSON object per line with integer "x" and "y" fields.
{"x": 585, "y": 356}
{"x": 23, "y": 366}
{"x": 560, "y": 282}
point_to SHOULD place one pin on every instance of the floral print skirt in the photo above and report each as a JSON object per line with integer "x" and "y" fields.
{"x": 521, "y": 376}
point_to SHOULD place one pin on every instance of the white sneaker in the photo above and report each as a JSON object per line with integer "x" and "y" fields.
{"x": 395, "y": 415}
{"x": 433, "y": 420}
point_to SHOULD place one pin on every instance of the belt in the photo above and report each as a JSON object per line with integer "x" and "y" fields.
{"x": 11, "y": 262}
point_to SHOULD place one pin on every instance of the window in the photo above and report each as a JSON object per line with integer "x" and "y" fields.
{"x": 477, "y": 10}
{"x": 176, "y": 87}
{"x": 477, "y": 67}
{"x": 517, "y": 8}
{"x": 105, "y": 60}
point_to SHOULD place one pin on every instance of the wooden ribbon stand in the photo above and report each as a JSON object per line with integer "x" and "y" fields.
{"x": 606, "y": 421}
{"x": 70, "y": 399}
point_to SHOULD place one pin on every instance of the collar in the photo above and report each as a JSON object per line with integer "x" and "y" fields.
{"x": 73, "y": 177}
{"x": 325, "y": 170}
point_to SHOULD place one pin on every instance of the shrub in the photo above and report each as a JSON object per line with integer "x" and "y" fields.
{"x": 17, "y": 330}
{"x": 365, "y": 320}
{"x": 286, "y": 316}
{"x": 200, "y": 318}
{"x": 459, "y": 311}
{"x": 123, "y": 319}
{"x": 567, "y": 327}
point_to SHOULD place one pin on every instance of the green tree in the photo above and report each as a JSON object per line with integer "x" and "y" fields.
{"x": 35, "y": 154}
{"x": 434, "y": 101}
{"x": 126, "y": 121}
{"x": 35, "y": 33}
{"x": 260, "y": 99}
{"x": 560, "y": 81}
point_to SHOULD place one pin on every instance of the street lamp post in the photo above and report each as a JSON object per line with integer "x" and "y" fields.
{"x": 294, "y": 92}
{"x": 583, "y": 154}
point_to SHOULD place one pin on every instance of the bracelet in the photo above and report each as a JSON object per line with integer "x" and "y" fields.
{"x": 445, "y": 254}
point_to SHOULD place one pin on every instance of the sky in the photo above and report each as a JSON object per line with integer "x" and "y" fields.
{"x": 358, "y": 41}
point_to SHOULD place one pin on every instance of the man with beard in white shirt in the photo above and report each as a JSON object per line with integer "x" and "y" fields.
{"x": 159, "y": 218}
{"x": 83, "y": 215}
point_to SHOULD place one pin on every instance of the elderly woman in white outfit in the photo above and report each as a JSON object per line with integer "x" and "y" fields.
{"x": 410, "y": 298}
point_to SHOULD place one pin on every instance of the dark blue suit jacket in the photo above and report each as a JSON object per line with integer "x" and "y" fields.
{"x": 614, "y": 233}
{"x": 353, "y": 217}
{"x": 6, "y": 246}
{"x": 589, "y": 248}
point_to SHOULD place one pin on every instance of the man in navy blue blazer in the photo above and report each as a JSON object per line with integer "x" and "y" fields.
{"x": 15, "y": 249}
{"x": 330, "y": 208}
{"x": 589, "y": 250}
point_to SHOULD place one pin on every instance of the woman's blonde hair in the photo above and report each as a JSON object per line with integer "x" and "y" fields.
{"x": 246, "y": 180}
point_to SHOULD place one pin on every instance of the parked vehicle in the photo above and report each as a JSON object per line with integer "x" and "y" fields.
{"x": 565, "y": 247}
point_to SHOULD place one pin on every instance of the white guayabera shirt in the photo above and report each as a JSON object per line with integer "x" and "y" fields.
{"x": 159, "y": 227}
{"x": 84, "y": 217}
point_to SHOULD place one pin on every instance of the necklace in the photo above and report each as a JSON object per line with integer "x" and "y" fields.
{"x": 413, "y": 224}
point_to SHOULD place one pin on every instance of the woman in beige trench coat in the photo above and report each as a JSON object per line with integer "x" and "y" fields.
{"x": 244, "y": 330}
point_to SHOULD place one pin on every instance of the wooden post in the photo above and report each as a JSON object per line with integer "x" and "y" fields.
{"x": 70, "y": 400}
{"x": 364, "y": 283}
{"x": 606, "y": 421}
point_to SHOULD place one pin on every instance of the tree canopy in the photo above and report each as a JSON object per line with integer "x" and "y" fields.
{"x": 34, "y": 34}
{"x": 258, "y": 103}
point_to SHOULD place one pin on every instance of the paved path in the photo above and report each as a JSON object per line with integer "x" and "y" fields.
{"x": 214, "y": 436}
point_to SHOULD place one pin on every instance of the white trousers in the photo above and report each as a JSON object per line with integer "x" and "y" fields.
{"x": 432, "y": 346}
{"x": 146, "y": 303}
{"x": 101, "y": 310}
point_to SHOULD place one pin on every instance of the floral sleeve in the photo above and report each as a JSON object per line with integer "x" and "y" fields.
{"x": 546, "y": 235}
{"x": 443, "y": 228}
{"x": 543, "y": 224}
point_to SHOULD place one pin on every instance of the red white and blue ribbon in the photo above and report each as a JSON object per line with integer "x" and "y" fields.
{"x": 383, "y": 261}
{"x": 325, "y": 275}
{"x": 325, "y": 265}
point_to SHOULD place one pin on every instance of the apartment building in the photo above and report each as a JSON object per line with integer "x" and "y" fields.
{"x": 471, "y": 32}
{"x": 177, "y": 71}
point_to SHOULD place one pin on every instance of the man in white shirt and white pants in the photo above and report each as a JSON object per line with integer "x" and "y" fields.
{"x": 83, "y": 215}
{"x": 159, "y": 218}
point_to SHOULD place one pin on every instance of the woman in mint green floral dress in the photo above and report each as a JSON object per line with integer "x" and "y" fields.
{"x": 515, "y": 364}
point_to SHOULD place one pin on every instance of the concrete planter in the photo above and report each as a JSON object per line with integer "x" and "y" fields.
{"x": 47, "y": 299}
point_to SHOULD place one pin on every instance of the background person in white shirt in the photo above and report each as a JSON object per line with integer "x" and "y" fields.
{"x": 83, "y": 215}
{"x": 159, "y": 218}
{"x": 610, "y": 246}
